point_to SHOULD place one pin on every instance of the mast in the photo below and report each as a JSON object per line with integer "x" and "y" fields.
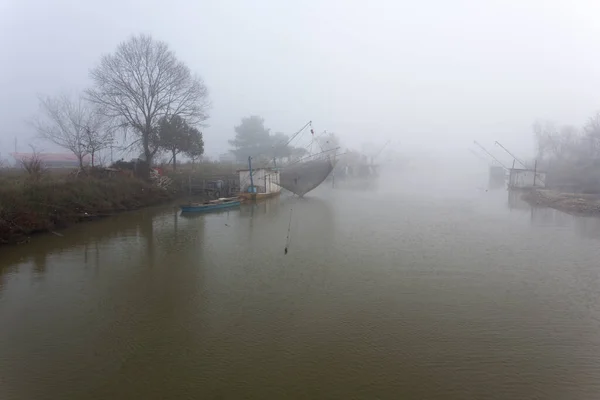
{"x": 333, "y": 170}
{"x": 489, "y": 154}
{"x": 511, "y": 154}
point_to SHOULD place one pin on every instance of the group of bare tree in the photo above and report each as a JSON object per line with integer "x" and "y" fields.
{"x": 73, "y": 124}
{"x": 141, "y": 89}
{"x": 570, "y": 154}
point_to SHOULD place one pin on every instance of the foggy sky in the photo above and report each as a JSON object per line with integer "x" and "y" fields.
{"x": 427, "y": 74}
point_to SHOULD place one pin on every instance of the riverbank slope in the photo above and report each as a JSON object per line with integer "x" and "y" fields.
{"x": 31, "y": 206}
{"x": 572, "y": 203}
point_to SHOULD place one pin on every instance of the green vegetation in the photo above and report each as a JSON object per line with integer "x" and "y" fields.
{"x": 34, "y": 199}
{"x": 176, "y": 136}
{"x": 30, "y": 203}
{"x": 142, "y": 83}
{"x": 142, "y": 90}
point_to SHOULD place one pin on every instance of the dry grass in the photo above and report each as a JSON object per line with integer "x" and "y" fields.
{"x": 573, "y": 203}
{"x": 44, "y": 200}
{"x": 28, "y": 206}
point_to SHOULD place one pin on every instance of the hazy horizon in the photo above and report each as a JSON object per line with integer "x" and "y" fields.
{"x": 430, "y": 76}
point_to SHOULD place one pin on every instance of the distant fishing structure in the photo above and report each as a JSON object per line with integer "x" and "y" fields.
{"x": 306, "y": 174}
{"x": 489, "y": 154}
{"x": 513, "y": 178}
{"x": 497, "y": 174}
{"x": 497, "y": 143}
{"x": 300, "y": 176}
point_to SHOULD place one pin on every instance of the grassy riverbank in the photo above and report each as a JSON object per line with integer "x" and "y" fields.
{"x": 572, "y": 203}
{"x": 28, "y": 206}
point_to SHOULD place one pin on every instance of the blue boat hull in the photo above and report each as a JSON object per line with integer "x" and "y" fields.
{"x": 210, "y": 207}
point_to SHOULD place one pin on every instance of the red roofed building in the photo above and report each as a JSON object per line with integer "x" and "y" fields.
{"x": 51, "y": 160}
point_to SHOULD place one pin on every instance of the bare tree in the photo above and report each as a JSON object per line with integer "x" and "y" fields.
{"x": 592, "y": 130}
{"x": 33, "y": 165}
{"x": 558, "y": 144}
{"x": 548, "y": 139}
{"x": 143, "y": 82}
{"x": 74, "y": 125}
{"x": 195, "y": 147}
{"x": 571, "y": 155}
{"x": 97, "y": 137}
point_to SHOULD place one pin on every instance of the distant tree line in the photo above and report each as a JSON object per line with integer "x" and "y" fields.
{"x": 253, "y": 139}
{"x": 141, "y": 89}
{"x": 570, "y": 154}
{"x": 143, "y": 92}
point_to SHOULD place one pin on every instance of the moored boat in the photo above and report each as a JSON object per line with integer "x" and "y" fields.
{"x": 212, "y": 205}
{"x": 258, "y": 196}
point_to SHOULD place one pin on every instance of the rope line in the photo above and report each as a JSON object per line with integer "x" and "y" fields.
{"x": 287, "y": 240}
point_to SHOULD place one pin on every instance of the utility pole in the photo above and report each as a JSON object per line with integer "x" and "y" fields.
{"x": 250, "y": 170}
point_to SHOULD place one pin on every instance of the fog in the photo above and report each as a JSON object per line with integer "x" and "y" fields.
{"x": 431, "y": 75}
{"x": 402, "y": 261}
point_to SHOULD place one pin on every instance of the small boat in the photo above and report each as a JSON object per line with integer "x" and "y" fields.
{"x": 258, "y": 196}
{"x": 212, "y": 205}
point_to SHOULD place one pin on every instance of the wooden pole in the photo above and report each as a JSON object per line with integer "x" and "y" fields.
{"x": 333, "y": 178}
{"x": 510, "y": 175}
{"x": 333, "y": 171}
{"x": 489, "y": 154}
{"x": 250, "y": 169}
{"x": 511, "y": 154}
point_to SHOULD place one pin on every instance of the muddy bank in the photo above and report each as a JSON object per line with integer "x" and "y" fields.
{"x": 28, "y": 207}
{"x": 572, "y": 203}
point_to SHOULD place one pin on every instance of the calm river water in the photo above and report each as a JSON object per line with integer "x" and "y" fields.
{"x": 412, "y": 294}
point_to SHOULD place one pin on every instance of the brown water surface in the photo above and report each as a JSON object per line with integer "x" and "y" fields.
{"x": 406, "y": 294}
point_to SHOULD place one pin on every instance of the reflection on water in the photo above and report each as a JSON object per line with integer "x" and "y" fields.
{"x": 515, "y": 201}
{"x": 266, "y": 207}
{"x": 394, "y": 294}
{"x": 588, "y": 227}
